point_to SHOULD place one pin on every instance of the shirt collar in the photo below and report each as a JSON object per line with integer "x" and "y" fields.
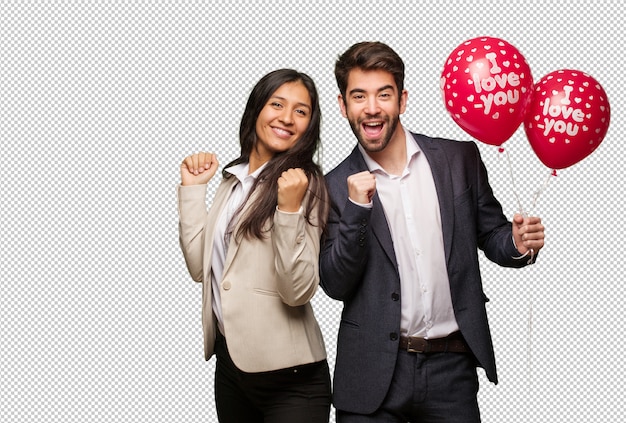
{"x": 240, "y": 171}
{"x": 412, "y": 149}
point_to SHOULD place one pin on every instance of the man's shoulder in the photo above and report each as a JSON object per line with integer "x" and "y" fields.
{"x": 428, "y": 141}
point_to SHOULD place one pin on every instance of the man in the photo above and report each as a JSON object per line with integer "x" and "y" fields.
{"x": 408, "y": 214}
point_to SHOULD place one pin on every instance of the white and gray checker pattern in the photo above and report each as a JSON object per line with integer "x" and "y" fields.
{"x": 99, "y": 103}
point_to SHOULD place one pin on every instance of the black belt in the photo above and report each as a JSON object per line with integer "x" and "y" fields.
{"x": 451, "y": 343}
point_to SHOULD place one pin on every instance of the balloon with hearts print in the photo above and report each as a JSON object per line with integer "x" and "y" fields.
{"x": 486, "y": 86}
{"x": 568, "y": 117}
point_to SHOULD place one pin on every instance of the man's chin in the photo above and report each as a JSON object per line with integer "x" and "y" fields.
{"x": 373, "y": 146}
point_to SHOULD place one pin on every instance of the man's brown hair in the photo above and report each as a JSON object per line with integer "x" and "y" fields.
{"x": 368, "y": 56}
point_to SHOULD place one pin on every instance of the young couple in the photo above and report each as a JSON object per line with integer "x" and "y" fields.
{"x": 393, "y": 232}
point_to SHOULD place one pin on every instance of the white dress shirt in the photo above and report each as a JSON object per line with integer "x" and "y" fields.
{"x": 411, "y": 207}
{"x": 220, "y": 240}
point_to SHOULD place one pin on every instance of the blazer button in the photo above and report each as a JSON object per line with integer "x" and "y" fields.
{"x": 393, "y": 336}
{"x": 226, "y": 285}
{"x": 395, "y": 296}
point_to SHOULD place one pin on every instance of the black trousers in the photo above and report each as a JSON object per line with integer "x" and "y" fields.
{"x": 427, "y": 388}
{"x": 296, "y": 394}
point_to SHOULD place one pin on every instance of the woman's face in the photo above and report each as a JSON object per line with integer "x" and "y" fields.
{"x": 283, "y": 120}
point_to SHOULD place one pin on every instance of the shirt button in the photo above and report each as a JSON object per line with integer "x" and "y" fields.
{"x": 226, "y": 285}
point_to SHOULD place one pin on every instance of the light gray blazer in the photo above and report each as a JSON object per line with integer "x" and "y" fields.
{"x": 266, "y": 286}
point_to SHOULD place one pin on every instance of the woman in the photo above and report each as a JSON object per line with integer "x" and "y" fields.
{"x": 256, "y": 253}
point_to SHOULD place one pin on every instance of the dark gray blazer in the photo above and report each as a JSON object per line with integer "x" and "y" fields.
{"x": 358, "y": 266}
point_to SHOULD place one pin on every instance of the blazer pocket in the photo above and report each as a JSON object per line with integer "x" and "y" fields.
{"x": 265, "y": 292}
{"x": 349, "y": 324}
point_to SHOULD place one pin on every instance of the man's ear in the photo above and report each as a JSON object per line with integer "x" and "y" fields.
{"x": 404, "y": 96}
{"x": 342, "y": 106}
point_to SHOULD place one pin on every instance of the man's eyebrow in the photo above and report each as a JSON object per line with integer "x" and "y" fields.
{"x": 386, "y": 87}
{"x": 357, "y": 90}
{"x": 361, "y": 90}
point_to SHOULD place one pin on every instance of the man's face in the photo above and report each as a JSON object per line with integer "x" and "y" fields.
{"x": 372, "y": 106}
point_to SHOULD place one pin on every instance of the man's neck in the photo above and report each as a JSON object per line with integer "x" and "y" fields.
{"x": 393, "y": 158}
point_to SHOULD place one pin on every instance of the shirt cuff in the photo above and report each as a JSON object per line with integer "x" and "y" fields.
{"x": 364, "y": 205}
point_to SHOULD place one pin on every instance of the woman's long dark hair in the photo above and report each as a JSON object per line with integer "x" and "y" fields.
{"x": 300, "y": 155}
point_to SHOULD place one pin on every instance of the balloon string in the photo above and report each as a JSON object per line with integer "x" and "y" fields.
{"x": 529, "y": 358}
{"x": 529, "y": 352}
{"x": 541, "y": 189}
{"x": 537, "y": 193}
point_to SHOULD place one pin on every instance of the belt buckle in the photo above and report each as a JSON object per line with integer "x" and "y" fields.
{"x": 413, "y": 346}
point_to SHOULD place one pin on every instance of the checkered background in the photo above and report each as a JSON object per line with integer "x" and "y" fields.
{"x": 99, "y": 103}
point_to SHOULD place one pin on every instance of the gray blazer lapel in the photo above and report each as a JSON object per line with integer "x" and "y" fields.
{"x": 380, "y": 227}
{"x": 443, "y": 184}
{"x": 378, "y": 221}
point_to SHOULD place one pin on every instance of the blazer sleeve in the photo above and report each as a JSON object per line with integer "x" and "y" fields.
{"x": 192, "y": 215}
{"x": 345, "y": 250}
{"x": 346, "y": 242}
{"x": 494, "y": 230}
{"x": 296, "y": 244}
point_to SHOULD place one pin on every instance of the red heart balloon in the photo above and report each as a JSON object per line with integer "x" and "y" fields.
{"x": 568, "y": 117}
{"x": 487, "y": 85}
